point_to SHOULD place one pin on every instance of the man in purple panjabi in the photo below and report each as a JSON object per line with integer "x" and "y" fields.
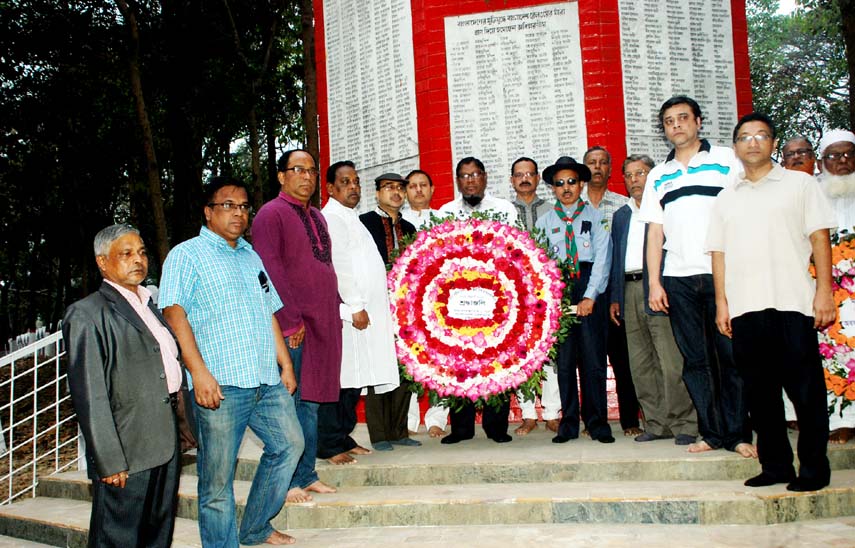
{"x": 292, "y": 239}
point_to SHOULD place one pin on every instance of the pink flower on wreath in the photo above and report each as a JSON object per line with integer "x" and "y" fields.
{"x": 848, "y": 284}
{"x": 826, "y": 350}
{"x": 851, "y": 366}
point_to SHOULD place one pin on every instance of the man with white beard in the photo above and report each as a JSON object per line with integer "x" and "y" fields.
{"x": 837, "y": 179}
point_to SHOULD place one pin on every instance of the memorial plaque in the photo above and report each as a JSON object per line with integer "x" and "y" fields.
{"x": 371, "y": 88}
{"x": 676, "y": 48}
{"x": 515, "y": 88}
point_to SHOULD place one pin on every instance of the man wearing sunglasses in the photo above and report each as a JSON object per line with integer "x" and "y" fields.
{"x": 577, "y": 235}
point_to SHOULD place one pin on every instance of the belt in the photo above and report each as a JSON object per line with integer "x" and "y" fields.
{"x": 633, "y": 276}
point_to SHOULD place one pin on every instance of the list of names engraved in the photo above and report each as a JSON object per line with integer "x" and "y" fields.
{"x": 515, "y": 88}
{"x": 676, "y": 48}
{"x": 371, "y": 96}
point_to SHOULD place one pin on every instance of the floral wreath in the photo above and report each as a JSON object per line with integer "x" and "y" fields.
{"x": 477, "y": 305}
{"x": 838, "y": 349}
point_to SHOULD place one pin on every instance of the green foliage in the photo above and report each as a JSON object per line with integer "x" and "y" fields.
{"x": 799, "y": 74}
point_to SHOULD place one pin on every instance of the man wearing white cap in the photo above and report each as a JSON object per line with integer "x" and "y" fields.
{"x": 837, "y": 178}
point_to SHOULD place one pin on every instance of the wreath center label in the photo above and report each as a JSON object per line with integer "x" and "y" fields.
{"x": 847, "y": 318}
{"x": 468, "y": 304}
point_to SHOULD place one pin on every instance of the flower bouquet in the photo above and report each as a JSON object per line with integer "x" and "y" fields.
{"x": 476, "y": 305}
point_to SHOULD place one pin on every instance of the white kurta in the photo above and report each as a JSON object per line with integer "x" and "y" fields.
{"x": 368, "y": 355}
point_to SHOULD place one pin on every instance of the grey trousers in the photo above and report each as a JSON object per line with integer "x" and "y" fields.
{"x": 657, "y": 368}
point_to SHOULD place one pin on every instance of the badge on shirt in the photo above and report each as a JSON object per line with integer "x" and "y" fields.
{"x": 586, "y": 243}
{"x": 262, "y": 279}
{"x": 586, "y": 227}
{"x": 556, "y": 230}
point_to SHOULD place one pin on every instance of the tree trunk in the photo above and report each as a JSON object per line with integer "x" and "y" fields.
{"x": 310, "y": 84}
{"x": 847, "y": 12}
{"x": 255, "y": 155}
{"x": 152, "y": 169}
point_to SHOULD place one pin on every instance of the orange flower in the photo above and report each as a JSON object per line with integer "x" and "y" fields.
{"x": 849, "y": 394}
{"x": 836, "y": 384}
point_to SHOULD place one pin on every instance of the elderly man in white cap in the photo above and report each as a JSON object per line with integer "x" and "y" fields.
{"x": 837, "y": 178}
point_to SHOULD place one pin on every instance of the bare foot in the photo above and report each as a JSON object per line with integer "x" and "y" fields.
{"x": 359, "y": 450}
{"x": 634, "y": 431}
{"x": 320, "y": 487}
{"x": 341, "y": 458}
{"x": 295, "y": 494}
{"x": 840, "y": 436}
{"x": 552, "y": 425}
{"x": 436, "y": 432}
{"x": 586, "y": 433}
{"x": 747, "y": 450}
{"x": 527, "y": 426}
{"x": 699, "y": 447}
{"x": 279, "y": 538}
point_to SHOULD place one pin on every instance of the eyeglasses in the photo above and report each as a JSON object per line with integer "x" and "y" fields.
{"x": 395, "y": 187}
{"x": 231, "y": 206}
{"x": 838, "y": 156}
{"x": 524, "y": 174}
{"x": 561, "y": 182}
{"x": 640, "y": 173}
{"x": 299, "y": 170}
{"x": 759, "y": 138}
{"x": 470, "y": 176}
{"x": 798, "y": 152}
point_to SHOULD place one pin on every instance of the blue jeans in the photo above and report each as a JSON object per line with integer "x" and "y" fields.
{"x": 307, "y": 414}
{"x": 269, "y": 412}
{"x": 709, "y": 372}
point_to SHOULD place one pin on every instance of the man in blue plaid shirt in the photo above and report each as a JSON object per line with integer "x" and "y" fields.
{"x": 218, "y": 299}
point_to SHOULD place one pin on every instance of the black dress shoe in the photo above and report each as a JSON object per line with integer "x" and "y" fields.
{"x": 454, "y": 438}
{"x": 764, "y": 479}
{"x": 606, "y": 438}
{"x": 801, "y": 485}
{"x": 563, "y": 439}
{"x": 501, "y": 438}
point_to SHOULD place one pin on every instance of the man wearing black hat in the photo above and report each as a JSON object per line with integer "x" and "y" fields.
{"x": 577, "y": 235}
{"x": 386, "y": 414}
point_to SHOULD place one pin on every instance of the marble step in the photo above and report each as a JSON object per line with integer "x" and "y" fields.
{"x": 668, "y": 502}
{"x": 532, "y": 459}
{"x": 64, "y": 523}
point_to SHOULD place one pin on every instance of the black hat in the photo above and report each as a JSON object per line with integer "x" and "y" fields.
{"x": 389, "y": 177}
{"x": 566, "y": 162}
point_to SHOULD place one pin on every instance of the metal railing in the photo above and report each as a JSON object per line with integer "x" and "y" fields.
{"x": 38, "y": 427}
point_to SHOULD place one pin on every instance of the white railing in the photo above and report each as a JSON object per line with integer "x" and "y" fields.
{"x": 38, "y": 427}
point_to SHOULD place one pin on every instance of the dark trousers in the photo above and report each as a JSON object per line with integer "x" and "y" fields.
{"x": 619, "y": 358}
{"x": 775, "y": 350}
{"x": 585, "y": 348}
{"x": 336, "y": 420}
{"x": 386, "y": 414}
{"x": 494, "y": 422}
{"x": 710, "y": 375}
{"x": 141, "y": 514}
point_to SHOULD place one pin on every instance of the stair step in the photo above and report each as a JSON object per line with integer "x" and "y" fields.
{"x": 684, "y": 502}
{"x": 69, "y": 521}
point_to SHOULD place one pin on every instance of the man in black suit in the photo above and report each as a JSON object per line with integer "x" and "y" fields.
{"x": 124, "y": 376}
{"x": 386, "y": 414}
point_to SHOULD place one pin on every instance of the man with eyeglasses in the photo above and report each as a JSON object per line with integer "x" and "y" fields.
{"x": 797, "y": 154}
{"x": 763, "y": 232}
{"x": 220, "y": 302}
{"x": 368, "y": 343}
{"x": 598, "y": 195}
{"x": 676, "y": 206}
{"x": 654, "y": 359}
{"x": 837, "y": 179}
{"x": 472, "y": 185}
{"x": 576, "y": 234}
{"x": 292, "y": 238}
{"x": 386, "y": 412}
{"x": 525, "y": 178}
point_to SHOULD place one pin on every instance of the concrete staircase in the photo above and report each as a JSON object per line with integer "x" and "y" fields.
{"x": 479, "y": 491}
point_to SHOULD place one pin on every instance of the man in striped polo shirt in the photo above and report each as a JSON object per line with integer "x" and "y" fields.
{"x": 676, "y": 205}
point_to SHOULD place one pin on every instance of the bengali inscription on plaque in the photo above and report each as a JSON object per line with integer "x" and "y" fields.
{"x": 676, "y": 48}
{"x": 515, "y": 88}
{"x": 371, "y": 95}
